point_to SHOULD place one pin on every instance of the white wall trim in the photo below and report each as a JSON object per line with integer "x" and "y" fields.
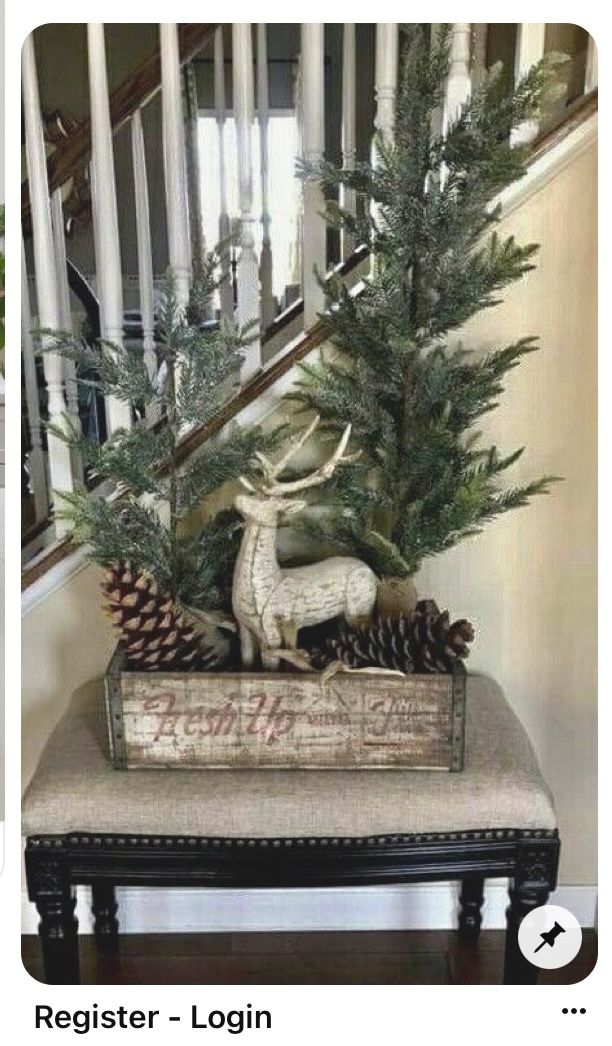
{"x": 53, "y": 579}
{"x": 426, "y": 906}
{"x": 549, "y": 165}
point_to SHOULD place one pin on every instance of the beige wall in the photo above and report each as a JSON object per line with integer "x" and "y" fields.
{"x": 528, "y": 582}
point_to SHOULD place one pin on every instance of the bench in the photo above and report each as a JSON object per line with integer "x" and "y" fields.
{"x": 88, "y": 824}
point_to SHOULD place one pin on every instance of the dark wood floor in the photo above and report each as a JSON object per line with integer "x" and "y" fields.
{"x": 414, "y": 957}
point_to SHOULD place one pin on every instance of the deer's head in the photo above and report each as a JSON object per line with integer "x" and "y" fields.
{"x": 265, "y": 502}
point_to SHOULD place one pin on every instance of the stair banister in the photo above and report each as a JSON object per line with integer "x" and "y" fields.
{"x": 60, "y": 463}
{"x": 387, "y": 43}
{"x": 247, "y": 268}
{"x": 349, "y": 123}
{"x": 226, "y": 296}
{"x": 175, "y": 174}
{"x": 268, "y": 308}
{"x": 106, "y": 223}
{"x": 590, "y": 75}
{"x": 459, "y": 82}
{"x": 145, "y": 257}
{"x": 36, "y": 457}
{"x": 314, "y": 233}
{"x": 529, "y": 50}
{"x": 63, "y": 290}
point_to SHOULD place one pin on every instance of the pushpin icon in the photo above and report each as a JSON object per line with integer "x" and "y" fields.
{"x": 550, "y": 936}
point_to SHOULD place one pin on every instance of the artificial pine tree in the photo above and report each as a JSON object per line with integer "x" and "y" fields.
{"x": 411, "y": 391}
{"x": 157, "y": 563}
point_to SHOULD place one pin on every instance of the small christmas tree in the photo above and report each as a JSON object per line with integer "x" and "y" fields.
{"x": 424, "y": 480}
{"x": 143, "y": 530}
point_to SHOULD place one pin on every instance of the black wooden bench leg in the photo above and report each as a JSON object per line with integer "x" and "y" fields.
{"x": 106, "y": 925}
{"x": 470, "y": 908}
{"x": 58, "y": 935}
{"x": 535, "y": 877}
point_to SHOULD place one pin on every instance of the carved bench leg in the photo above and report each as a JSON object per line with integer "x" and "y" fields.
{"x": 58, "y": 936}
{"x": 470, "y": 905}
{"x": 106, "y": 925}
{"x": 535, "y": 877}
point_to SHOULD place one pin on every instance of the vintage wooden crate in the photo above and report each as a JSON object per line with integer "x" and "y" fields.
{"x": 265, "y": 720}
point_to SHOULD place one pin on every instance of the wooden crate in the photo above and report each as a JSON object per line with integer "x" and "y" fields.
{"x": 264, "y": 720}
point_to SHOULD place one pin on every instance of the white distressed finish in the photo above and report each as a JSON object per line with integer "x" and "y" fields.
{"x": 145, "y": 257}
{"x": 247, "y": 269}
{"x": 529, "y": 50}
{"x": 226, "y": 294}
{"x": 314, "y": 233}
{"x": 459, "y": 83}
{"x": 349, "y": 124}
{"x": 268, "y": 307}
{"x": 590, "y": 75}
{"x": 36, "y": 457}
{"x": 106, "y": 224}
{"x": 272, "y": 604}
{"x": 72, "y": 392}
{"x": 387, "y": 43}
{"x": 173, "y": 132}
{"x": 60, "y": 463}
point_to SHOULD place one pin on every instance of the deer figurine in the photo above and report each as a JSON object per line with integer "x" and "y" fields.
{"x": 272, "y": 604}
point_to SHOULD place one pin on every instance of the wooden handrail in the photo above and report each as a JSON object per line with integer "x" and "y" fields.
{"x": 137, "y": 89}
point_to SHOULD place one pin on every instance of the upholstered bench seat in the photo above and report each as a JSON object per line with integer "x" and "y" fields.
{"x": 75, "y": 788}
{"x": 89, "y": 824}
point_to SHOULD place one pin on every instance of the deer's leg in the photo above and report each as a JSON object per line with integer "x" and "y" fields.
{"x": 289, "y": 632}
{"x": 272, "y": 641}
{"x": 248, "y": 647}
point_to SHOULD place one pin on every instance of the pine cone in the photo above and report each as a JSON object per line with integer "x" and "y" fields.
{"x": 153, "y": 630}
{"x": 422, "y": 641}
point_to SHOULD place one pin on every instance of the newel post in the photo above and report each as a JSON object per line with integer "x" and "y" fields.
{"x": 247, "y": 270}
{"x": 175, "y": 173}
{"x": 106, "y": 223}
{"x": 314, "y": 232}
{"x": 60, "y": 463}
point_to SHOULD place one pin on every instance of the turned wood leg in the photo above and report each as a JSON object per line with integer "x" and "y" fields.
{"x": 535, "y": 877}
{"x": 58, "y": 936}
{"x": 470, "y": 905}
{"x": 104, "y": 908}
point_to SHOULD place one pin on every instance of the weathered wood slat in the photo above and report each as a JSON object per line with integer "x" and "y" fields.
{"x": 265, "y": 720}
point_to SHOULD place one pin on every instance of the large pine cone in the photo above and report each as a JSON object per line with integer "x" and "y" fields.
{"x": 154, "y": 633}
{"x": 421, "y": 641}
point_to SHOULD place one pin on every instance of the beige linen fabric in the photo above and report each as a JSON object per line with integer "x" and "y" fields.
{"x": 75, "y": 788}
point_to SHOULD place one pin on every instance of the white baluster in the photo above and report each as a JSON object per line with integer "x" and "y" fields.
{"x": 590, "y": 75}
{"x": 70, "y": 379}
{"x": 268, "y": 307}
{"x": 247, "y": 275}
{"x": 458, "y": 83}
{"x": 349, "y": 118}
{"x": 226, "y": 295}
{"x": 60, "y": 462}
{"x": 173, "y": 131}
{"x": 106, "y": 225}
{"x": 145, "y": 257}
{"x": 387, "y": 42}
{"x": 36, "y": 457}
{"x": 529, "y": 50}
{"x": 314, "y": 233}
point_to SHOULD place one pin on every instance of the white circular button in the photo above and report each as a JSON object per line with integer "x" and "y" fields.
{"x": 550, "y": 936}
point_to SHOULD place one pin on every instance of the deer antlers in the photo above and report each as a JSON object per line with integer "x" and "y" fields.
{"x": 271, "y": 470}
